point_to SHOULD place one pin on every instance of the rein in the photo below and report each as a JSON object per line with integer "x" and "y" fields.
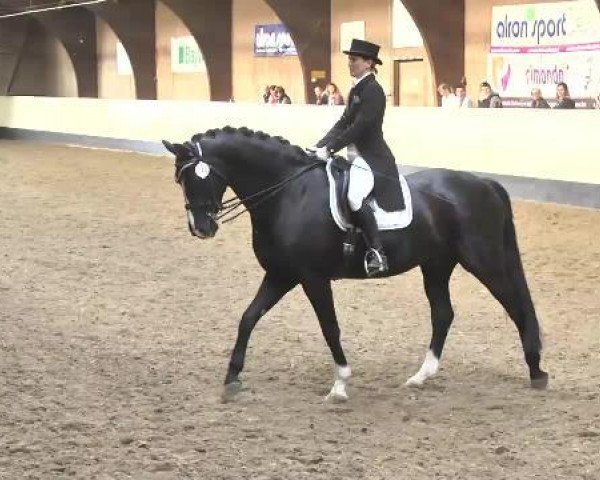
{"x": 227, "y": 207}
{"x": 230, "y": 205}
{"x": 234, "y": 203}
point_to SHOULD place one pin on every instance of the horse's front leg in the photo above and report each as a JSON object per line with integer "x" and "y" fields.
{"x": 271, "y": 290}
{"x": 319, "y": 293}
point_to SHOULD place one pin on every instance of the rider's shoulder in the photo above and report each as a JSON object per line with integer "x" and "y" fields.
{"x": 374, "y": 88}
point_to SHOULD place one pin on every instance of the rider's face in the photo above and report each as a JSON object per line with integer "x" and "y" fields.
{"x": 358, "y": 66}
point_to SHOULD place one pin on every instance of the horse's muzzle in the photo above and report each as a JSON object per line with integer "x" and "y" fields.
{"x": 206, "y": 229}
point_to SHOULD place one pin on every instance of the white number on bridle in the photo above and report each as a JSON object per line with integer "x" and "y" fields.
{"x": 202, "y": 169}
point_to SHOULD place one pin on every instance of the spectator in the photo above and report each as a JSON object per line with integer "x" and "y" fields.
{"x": 266, "y": 95}
{"x": 564, "y": 99}
{"x": 272, "y": 95}
{"x": 488, "y": 98}
{"x": 334, "y": 95}
{"x": 320, "y": 96}
{"x": 448, "y": 98}
{"x": 462, "y": 101}
{"x": 537, "y": 101}
{"x": 597, "y": 102}
{"x": 281, "y": 96}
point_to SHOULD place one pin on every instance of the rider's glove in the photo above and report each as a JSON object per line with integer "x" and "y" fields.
{"x": 322, "y": 153}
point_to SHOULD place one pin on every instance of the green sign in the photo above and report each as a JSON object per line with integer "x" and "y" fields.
{"x": 186, "y": 57}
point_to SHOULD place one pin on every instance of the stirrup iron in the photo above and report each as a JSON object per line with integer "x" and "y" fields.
{"x": 381, "y": 261}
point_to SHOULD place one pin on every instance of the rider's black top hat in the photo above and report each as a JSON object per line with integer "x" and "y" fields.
{"x": 362, "y": 48}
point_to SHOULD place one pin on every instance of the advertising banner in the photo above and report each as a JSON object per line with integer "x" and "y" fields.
{"x": 186, "y": 57}
{"x": 540, "y": 45}
{"x": 273, "y": 41}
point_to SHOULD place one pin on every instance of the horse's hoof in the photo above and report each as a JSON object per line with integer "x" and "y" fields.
{"x": 540, "y": 382}
{"x": 414, "y": 382}
{"x": 336, "y": 398}
{"x": 231, "y": 390}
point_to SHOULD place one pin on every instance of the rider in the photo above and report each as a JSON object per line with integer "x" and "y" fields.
{"x": 360, "y": 129}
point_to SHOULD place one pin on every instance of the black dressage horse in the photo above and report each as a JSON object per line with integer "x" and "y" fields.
{"x": 458, "y": 218}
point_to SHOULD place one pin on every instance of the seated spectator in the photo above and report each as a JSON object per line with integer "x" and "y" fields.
{"x": 564, "y": 99}
{"x": 272, "y": 94}
{"x": 321, "y": 97}
{"x": 488, "y": 98}
{"x": 537, "y": 101}
{"x": 448, "y": 98}
{"x": 335, "y": 97}
{"x": 462, "y": 101}
{"x": 281, "y": 96}
{"x": 266, "y": 95}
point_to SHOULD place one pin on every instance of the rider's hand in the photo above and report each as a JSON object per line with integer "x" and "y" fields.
{"x": 322, "y": 153}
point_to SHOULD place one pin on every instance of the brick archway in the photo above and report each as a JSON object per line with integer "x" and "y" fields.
{"x": 74, "y": 28}
{"x": 133, "y": 22}
{"x": 443, "y": 32}
{"x": 210, "y": 23}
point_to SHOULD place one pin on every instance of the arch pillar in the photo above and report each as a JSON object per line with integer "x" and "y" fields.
{"x": 134, "y": 23}
{"x": 443, "y": 32}
{"x": 13, "y": 35}
{"x": 210, "y": 23}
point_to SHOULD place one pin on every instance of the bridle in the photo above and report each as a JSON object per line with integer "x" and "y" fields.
{"x": 213, "y": 206}
{"x": 218, "y": 210}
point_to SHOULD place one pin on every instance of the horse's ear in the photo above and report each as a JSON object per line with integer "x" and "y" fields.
{"x": 170, "y": 147}
{"x": 193, "y": 149}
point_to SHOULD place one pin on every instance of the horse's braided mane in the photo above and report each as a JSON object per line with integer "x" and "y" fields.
{"x": 247, "y": 132}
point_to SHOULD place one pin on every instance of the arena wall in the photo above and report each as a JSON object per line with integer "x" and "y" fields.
{"x": 45, "y": 71}
{"x": 539, "y": 154}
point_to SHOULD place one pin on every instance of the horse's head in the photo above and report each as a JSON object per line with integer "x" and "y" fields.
{"x": 203, "y": 187}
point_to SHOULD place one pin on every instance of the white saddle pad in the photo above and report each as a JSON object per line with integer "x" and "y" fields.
{"x": 385, "y": 220}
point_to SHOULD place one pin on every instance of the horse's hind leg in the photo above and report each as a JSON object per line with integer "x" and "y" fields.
{"x": 501, "y": 271}
{"x": 271, "y": 290}
{"x": 436, "y": 279}
{"x": 319, "y": 293}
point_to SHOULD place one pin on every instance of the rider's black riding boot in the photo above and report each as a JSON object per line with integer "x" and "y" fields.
{"x": 375, "y": 259}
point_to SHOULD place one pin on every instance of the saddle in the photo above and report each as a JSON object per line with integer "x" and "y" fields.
{"x": 338, "y": 173}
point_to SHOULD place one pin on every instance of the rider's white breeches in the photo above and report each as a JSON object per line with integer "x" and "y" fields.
{"x": 361, "y": 183}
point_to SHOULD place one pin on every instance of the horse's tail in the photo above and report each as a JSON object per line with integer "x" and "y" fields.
{"x": 516, "y": 274}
